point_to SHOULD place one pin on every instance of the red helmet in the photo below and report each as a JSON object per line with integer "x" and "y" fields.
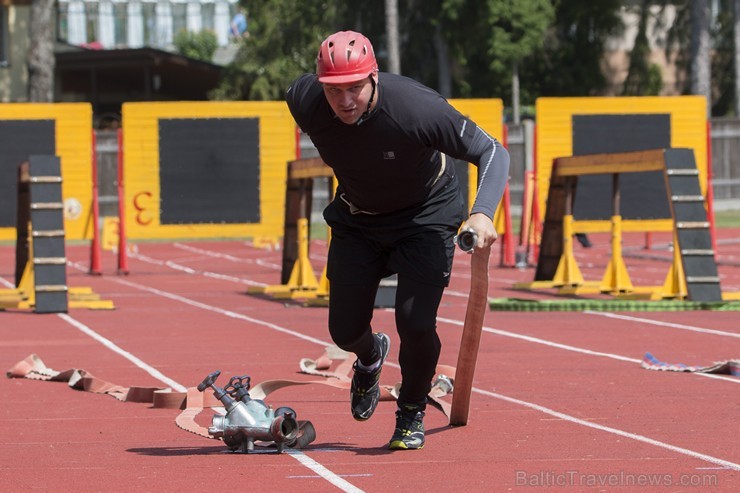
{"x": 344, "y": 57}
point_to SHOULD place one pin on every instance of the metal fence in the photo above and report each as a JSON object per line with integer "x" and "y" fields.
{"x": 726, "y": 161}
{"x": 106, "y": 150}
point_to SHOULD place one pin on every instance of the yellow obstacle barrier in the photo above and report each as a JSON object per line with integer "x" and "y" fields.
{"x": 302, "y": 282}
{"x": 24, "y": 295}
{"x": 693, "y": 273}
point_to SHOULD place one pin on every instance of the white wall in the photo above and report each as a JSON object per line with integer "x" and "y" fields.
{"x": 105, "y": 19}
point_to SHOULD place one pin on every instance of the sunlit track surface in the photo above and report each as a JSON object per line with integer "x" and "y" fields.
{"x": 558, "y": 397}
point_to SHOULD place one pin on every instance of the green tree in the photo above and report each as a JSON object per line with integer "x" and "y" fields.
{"x": 723, "y": 62}
{"x": 284, "y": 39}
{"x": 643, "y": 78}
{"x": 427, "y": 37}
{"x": 40, "y": 58}
{"x": 701, "y": 75}
{"x": 517, "y": 29}
{"x": 469, "y": 48}
{"x": 681, "y": 49}
{"x": 199, "y": 46}
{"x": 442, "y": 42}
{"x": 677, "y": 47}
{"x": 463, "y": 48}
{"x": 570, "y": 62}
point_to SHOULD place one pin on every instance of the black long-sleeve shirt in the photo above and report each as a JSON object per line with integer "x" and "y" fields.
{"x": 391, "y": 161}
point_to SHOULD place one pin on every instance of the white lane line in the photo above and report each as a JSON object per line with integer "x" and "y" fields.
{"x": 190, "y": 270}
{"x": 306, "y": 461}
{"x": 575, "y": 349}
{"x": 572, "y": 419}
{"x": 662, "y": 324}
{"x": 117, "y": 349}
{"x": 221, "y": 311}
{"x": 634, "y": 436}
{"x": 543, "y": 342}
{"x": 464, "y": 274}
{"x": 457, "y": 294}
{"x": 260, "y": 261}
{"x": 323, "y": 472}
{"x": 211, "y": 253}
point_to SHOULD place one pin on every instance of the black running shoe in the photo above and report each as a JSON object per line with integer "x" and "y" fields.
{"x": 409, "y": 433}
{"x": 365, "y": 390}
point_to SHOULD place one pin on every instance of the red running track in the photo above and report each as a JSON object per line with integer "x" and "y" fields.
{"x": 560, "y": 400}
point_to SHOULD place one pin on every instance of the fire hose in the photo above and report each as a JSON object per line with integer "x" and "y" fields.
{"x": 470, "y": 341}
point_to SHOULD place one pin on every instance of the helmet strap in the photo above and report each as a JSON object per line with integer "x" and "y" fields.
{"x": 369, "y": 102}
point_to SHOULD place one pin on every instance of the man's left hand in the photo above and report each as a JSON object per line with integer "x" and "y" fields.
{"x": 483, "y": 227}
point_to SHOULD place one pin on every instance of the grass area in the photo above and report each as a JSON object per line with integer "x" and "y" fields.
{"x": 727, "y": 219}
{"x": 319, "y": 230}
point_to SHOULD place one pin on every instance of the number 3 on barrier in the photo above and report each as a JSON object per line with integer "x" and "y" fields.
{"x": 141, "y": 211}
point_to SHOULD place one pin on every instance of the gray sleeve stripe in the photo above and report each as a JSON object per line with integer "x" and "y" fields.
{"x": 462, "y": 131}
{"x": 487, "y": 165}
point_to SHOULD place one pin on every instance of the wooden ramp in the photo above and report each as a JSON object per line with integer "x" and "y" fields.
{"x": 697, "y": 268}
{"x": 41, "y": 262}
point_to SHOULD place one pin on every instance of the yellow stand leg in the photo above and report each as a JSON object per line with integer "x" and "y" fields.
{"x": 321, "y": 297}
{"x": 675, "y": 282}
{"x": 302, "y": 276}
{"x": 616, "y": 279}
{"x": 302, "y": 282}
{"x": 567, "y": 274}
{"x": 674, "y": 286}
{"x": 77, "y": 297}
{"x": 26, "y": 287}
{"x": 323, "y": 291}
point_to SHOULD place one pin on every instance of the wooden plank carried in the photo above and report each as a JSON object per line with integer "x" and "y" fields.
{"x": 470, "y": 342}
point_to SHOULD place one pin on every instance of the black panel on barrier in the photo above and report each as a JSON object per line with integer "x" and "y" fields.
{"x": 209, "y": 171}
{"x": 643, "y": 195}
{"x": 18, "y": 140}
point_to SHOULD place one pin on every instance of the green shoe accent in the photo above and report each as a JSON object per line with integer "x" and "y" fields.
{"x": 409, "y": 432}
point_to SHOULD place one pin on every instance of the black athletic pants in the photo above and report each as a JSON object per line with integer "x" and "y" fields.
{"x": 350, "y": 312}
{"x": 417, "y": 245}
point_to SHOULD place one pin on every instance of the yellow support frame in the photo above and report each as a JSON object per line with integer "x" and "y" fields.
{"x": 616, "y": 280}
{"x": 24, "y": 295}
{"x": 141, "y": 167}
{"x": 688, "y": 115}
